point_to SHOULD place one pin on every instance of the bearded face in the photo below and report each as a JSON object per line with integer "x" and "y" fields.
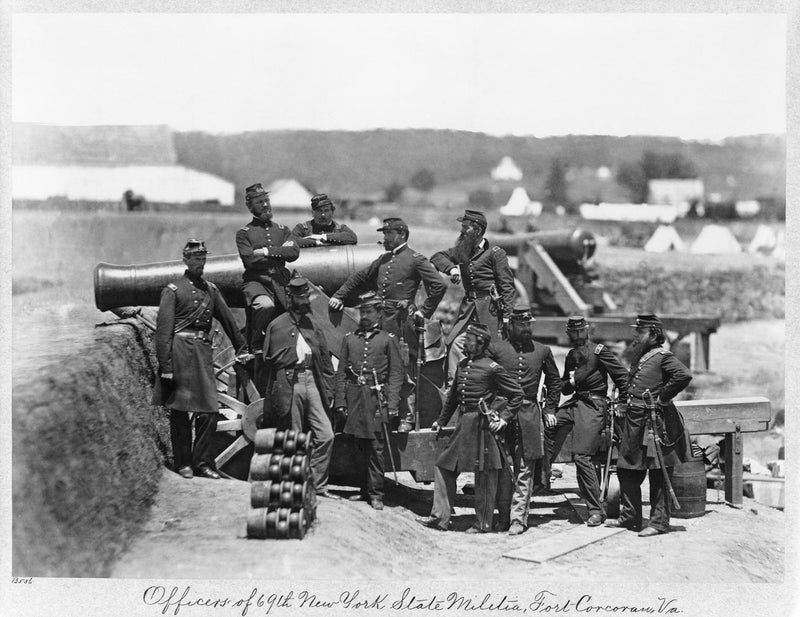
{"x": 300, "y": 304}
{"x": 521, "y": 332}
{"x": 369, "y": 318}
{"x": 467, "y": 241}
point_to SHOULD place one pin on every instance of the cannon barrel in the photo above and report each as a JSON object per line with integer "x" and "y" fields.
{"x": 565, "y": 246}
{"x": 141, "y": 285}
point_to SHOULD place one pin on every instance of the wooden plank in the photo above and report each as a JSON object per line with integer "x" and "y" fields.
{"x": 578, "y": 505}
{"x": 733, "y": 469}
{"x": 703, "y": 416}
{"x": 562, "y": 543}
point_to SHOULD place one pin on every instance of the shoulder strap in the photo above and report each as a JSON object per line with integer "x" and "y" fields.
{"x": 598, "y": 349}
{"x": 649, "y": 355}
{"x": 172, "y": 286}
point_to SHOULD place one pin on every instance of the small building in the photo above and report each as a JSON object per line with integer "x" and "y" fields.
{"x": 629, "y": 212}
{"x": 507, "y": 170}
{"x": 289, "y": 194}
{"x": 676, "y": 192}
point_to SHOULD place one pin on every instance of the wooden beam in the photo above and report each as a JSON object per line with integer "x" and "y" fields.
{"x": 708, "y": 416}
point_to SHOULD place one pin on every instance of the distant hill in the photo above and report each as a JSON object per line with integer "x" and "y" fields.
{"x": 341, "y": 162}
{"x": 362, "y": 162}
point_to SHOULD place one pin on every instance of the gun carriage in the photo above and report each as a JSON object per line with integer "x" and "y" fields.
{"x": 553, "y": 271}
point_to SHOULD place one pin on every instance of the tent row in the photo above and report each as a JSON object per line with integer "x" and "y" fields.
{"x": 717, "y": 240}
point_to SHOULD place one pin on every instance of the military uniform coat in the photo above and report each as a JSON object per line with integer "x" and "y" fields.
{"x": 280, "y": 356}
{"x": 361, "y": 353}
{"x": 488, "y": 267}
{"x": 188, "y": 305}
{"x": 527, "y": 363}
{"x": 396, "y": 276}
{"x": 336, "y": 233}
{"x": 266, "y": 275}
{"x": 472, "y": 446}
{"x": 665, "y": 376}
{"x": 593, "y": 364}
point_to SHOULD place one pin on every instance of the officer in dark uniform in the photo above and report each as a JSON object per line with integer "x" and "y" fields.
{"x": 300, "y": 384}
{"x": 396, "y": 276}
{"x": 183, "y": 347}
{"x": 473, "y": 445}
{"x": 484, "y": 271}
{"x": 366, "y": 350}
{"x": 322, "y": 229}
{"x": 586, "y": 371}
{"x": 527, "y": 361}
{"x": 657, "y": 370}
{"x": 264, "y": 248}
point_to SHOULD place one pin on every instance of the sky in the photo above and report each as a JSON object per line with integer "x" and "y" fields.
{"x": 694, "y": 76}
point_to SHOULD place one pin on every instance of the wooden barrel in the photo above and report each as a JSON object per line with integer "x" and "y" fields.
{"x": 689, "y": 482}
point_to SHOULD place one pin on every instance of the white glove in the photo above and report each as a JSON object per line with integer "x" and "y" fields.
{"x": 455, "y": 275}
{"x": 335, "y": 304}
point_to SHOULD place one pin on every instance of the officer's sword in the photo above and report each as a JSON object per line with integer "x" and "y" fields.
{"x": 492, "y": 416}
{"x": 651, "y": 405}
{"x": 607, "y": 471}
{"x": 378, "y": 387}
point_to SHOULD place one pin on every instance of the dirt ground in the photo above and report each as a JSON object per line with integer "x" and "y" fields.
{"x": 198, "y": 531}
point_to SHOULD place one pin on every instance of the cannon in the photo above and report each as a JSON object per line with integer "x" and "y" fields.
{"x": 539, "y": 256}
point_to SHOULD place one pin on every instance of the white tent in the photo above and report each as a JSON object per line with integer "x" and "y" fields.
{"x": 780, "y": 248}
{"x": 764, "y": 241}
{"x": 289, "y": 194}
{"x": 507, "y": 170}
{"x": 715, "y": 240}
{"x": 519, "y": 204}
{"x": 665, "y": 239}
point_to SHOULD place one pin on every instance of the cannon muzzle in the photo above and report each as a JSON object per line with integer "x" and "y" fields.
{"x": 141, "y": 285}
{"x": 567, "y": 247}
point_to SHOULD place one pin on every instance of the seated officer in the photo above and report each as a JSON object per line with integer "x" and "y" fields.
{"x": 322, "y": 229}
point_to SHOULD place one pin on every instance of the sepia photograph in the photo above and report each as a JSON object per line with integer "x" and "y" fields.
{"x": 324, "y": 308}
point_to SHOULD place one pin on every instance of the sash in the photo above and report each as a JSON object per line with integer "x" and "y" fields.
{"x": 187, "y": 321}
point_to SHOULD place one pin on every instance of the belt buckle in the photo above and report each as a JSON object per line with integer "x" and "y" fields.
{"x": 361, "y": 380}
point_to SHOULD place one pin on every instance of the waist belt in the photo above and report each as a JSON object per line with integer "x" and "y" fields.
{"x": 478, "y": 294}
{"x": 586, "y": 394}
{"x": 189, "y": 333}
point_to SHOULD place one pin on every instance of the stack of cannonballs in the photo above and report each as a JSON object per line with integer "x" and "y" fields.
{"x": 282, "y": 497}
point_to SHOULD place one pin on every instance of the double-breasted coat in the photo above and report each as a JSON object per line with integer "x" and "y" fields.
{"x": 335, "y": 233}
{"x": 487, "y": 268}
{"x": 665, "y": 376}
{"x": 362, "y": 352}
{"x": 266, "y": 275}
{"x": 183, "y": 344}
{"x": 593, "y": 364}
{"x": 472, "y": 446}
{"x": 527, "y": 363}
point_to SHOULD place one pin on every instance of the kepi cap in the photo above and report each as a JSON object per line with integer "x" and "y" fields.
{"x": 194, "y": 247}
{"x": 298, "y": 286}
{"x": 369, "y": 298}
{"x": 475, "y": 216}
{"x": 479, "y": 330}
{"x": 576, "y": 322}
{"x": 320, "y": 200}
{"x": 255, "y": 191}
{"x": 647, "y": 320}
{"x": 522, "y": 314}
{"x": 394, "y": 224}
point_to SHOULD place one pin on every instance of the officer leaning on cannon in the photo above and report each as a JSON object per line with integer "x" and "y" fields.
{"x": 489, "y": 291}
{"x": 476, "y": 444}
{"x": 587, "y": 368}
{"x": 658, "y": 371}
{"x": 322, "y": 229}
{"x": 300, "y": 382}
{"x": 368, "y": 382}
{"x": 526, "y": 360}
{"x": 396, "y": 276}
{"x": 264, "y": 248}
{"x": 183, "y": 347}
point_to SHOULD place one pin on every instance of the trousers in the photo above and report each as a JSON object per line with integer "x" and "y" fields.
{"x": 180, "y": 429}
{"x": 371, "y": 453}
{"x": 630, "y": 497}
{"x": 308, "y": 414}
{"x": 444, "y": 494}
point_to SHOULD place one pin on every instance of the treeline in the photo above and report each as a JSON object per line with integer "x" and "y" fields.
{"x": 369, "y": 162}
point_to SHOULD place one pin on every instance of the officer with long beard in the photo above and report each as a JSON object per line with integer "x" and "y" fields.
{"x": 484, "y": 271}
{"x": 659, "y": 371}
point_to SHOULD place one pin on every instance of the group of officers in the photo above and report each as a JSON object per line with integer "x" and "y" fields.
{"x": 503, "y": 432}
